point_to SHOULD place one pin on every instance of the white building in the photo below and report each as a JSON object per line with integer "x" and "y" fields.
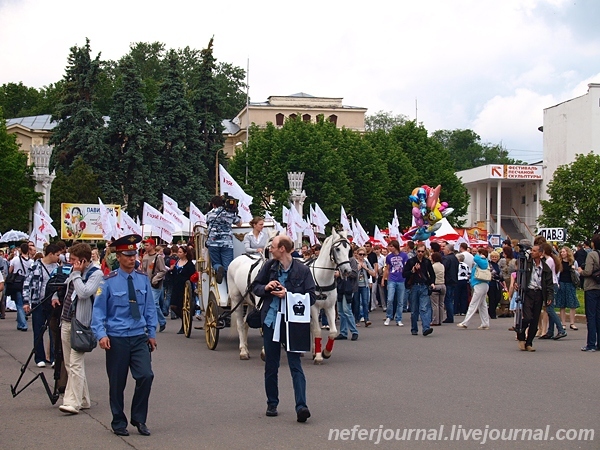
{"x": 570, "y": 128}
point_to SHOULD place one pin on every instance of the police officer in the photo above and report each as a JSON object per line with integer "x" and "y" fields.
{"x": 124, "y": 321}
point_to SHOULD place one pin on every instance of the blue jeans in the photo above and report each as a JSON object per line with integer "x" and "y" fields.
{"x": 449, "y": 303}
{"x": 220, "y": 257}
{"x": 168, "y": 288}
{"x": 420, "y": 304}
{"x": 395, "y": 296}
{"x": 157, "y": 294}
{"x": 363, "y": 300}
{"x": 346, "y": 316}
{"x": 18, "y": 299}
{"x": 405, "y": 305}
{"x": 272, "y": 358}
{"x": 592, "y": 315}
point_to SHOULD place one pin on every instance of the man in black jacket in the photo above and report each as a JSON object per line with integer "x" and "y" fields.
{"x": 276, "y": 278}
{"x": 419, "y": 273}
{"x": 450, "y": 263}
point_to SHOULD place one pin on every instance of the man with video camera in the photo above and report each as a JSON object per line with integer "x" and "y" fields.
{"x": 220, "y": 236}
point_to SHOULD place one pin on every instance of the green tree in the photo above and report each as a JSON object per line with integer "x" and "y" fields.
{"x": 17, "y": 193}
{"x": 467, "y": 150}
{"x": 184, "y": 175}
{"x": 573, "y": 199}
{"x": 79, "y": 186}
{"x": 128, "y": 166}
{"x": 384, "y": 121}
{"x": 80, "y": 124}
{"x": 231, "y": 84}
{"x": 207, "y": 103}
{"x": 18, "y": 100}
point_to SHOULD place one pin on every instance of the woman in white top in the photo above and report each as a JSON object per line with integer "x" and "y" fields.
{"x": 256, "y": 240}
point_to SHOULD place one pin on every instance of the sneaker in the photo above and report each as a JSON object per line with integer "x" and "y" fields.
{"x": 483, "y": 327}
{"x": 324, "y": 327}
{"x": 461, "y": 325}
{"x": 272, "y": 411}
{"x": 367, "y": 323}
{"x": 354, "y": 337}
{"x": 362, "y": 319}
{"x": 428, "y": 331}
{"x": 588, "y": 349}
{"x": 387, "y": 322}
{"x": 68, "y": 409}
{"x": 400, "y": 324}
{"x": 41, "y": 364}
{"x": 414, "y": 333}
{"x": 220, "y": 274}
{"x": 529, "y": 348}
{"x": 560, "y": 336}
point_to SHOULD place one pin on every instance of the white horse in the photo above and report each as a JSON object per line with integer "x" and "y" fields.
{"x": 334, "y": 255}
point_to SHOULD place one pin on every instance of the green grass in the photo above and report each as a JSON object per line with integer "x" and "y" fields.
{"x": 581, "y": 309}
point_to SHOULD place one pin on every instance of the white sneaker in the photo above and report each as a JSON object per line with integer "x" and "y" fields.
{"x": 387, "y": 322}
{"x": 362, "y": 319}
{"x": 41, "y": 364}
{"x": 400, "y": 324}
{"x": 68, "y": 409}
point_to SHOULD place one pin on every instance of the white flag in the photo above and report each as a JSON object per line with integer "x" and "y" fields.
{"x": 196, "y": 215}
{"x": 378, "y": 236}
{"x": 174, "y": 216}
{"x": 312, "y": 236}
{"x": 316, "y": 220}
{"x": 229, "y": 185}
{"x": 172, "y": 204}
{"x": 47, "y": 220}
{"x": 344, "y": 222}
{"x": 38, "y": 235}
{"x": 395, "y": 221}
{"x": 108, "y": 223}
{"x": 322, "y": 217}
{"x": 294, "y": 216}
{"x": 364, "y": 237}
{"x": 393, "y": 231}
{"x": 152, "y": 216}
{"x": 129, "y": 226}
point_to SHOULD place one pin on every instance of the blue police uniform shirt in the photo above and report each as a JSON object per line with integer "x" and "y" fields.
{"x": 112, "y": 314}
{"x": 274, "y": 306}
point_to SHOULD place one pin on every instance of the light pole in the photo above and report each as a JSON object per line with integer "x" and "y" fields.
{"x": 40, "y": 158}
{"x": 297, "y": 197}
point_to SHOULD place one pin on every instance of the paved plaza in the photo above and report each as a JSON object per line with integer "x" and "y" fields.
{"x": 387, "y": 381}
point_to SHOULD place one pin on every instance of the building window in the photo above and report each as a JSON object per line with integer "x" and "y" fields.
{"x": 333, "y": 118}
{"x": 306, "y": 117}
{"x": 279, "y": 119}
{"x": 523, "y": 200}
{"x": 293, "y": 116}
{"x": 534, "y": 198}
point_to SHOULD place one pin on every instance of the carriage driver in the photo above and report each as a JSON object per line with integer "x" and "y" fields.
{"x": 277, "y": 276}
{"x": 220, "y": 236}
{"x": 124, "y": 321}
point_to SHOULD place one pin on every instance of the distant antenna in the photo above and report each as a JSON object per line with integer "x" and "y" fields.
{"x": 416, "y": 112}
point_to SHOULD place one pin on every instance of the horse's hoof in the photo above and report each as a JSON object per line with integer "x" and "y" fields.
{"x": 326, "y": 354}
{"x": 318, "y": 361}
{"x": 244, "y": 357}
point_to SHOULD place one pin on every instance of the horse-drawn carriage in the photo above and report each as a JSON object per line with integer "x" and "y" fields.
{"x": 221, "y": 305}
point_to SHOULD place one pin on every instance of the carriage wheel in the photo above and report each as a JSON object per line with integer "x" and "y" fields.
{"x": 210, "y": 322}
{"x": 189, "y": 307}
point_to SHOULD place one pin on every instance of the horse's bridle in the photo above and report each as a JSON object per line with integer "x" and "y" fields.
{"x": 334, "y": 246}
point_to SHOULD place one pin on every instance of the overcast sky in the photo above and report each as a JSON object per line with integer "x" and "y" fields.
{"x": 488, "y": 65}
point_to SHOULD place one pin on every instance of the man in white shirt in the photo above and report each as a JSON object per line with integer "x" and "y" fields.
{"x": 464, "y": 250}
{"x": 20, "y": 264}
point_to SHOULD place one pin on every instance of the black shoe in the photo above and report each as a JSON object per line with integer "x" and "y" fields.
{"x": 340, "y": 337}
{"x": 428, "y": 331}
{"x": 354, "y": 336}
{"x": 448, "y": 321}
{"x": 560, "y": 336}
{"x": 220, "y": 274}
{"x": 272, "y": 411}
{"x": 303, "y": 414}
{"x": 162, "y": 328}
{"x": 414, "y": 333}
{"x": 121, "y": 431}
{"x": 180, "y": 331}
{"x": 141, "y": 427}
{"x": 546, "y": 336}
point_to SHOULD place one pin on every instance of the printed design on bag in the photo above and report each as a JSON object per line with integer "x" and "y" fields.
{"x": 299, "y": 308}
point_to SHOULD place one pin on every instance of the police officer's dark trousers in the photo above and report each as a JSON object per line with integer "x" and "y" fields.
{"x": 126, "y": 353}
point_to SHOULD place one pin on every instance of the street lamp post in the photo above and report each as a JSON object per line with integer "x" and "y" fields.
{"x": 297, "y": 197}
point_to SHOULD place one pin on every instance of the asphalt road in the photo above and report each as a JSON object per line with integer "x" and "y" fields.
{"x": 387, "y": 379}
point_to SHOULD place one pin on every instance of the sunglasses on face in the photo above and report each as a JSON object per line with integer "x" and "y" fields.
{"x": 420, "y": 251}
{"x": 361, "y": 254}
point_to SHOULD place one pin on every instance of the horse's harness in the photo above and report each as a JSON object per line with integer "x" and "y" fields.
{"x": 321, "y": 290}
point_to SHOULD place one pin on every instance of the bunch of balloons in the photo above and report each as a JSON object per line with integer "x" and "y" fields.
{"x": 427, "y": 211}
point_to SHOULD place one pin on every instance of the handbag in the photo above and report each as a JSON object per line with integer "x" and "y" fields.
{"x": 483, "y": 274}
{"x": 253, "y": 318}
{"x": 574, "y": 277}
{"x": 82, "y": 337}
{"x": 15, "y": 280}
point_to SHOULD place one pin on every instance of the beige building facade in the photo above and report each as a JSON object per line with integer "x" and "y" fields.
{"x": 31, "y": 131}
{"x": 279, "y": 108}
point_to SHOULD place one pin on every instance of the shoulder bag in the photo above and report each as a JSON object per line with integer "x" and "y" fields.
{"x": 253, "y": 317}
{"x": 15, "y": 280}
{"x": 82, "y": 337}
{"x": 483, "y": 274}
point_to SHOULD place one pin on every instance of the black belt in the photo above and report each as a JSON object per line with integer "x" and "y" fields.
{"x": 423, "y": 284}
